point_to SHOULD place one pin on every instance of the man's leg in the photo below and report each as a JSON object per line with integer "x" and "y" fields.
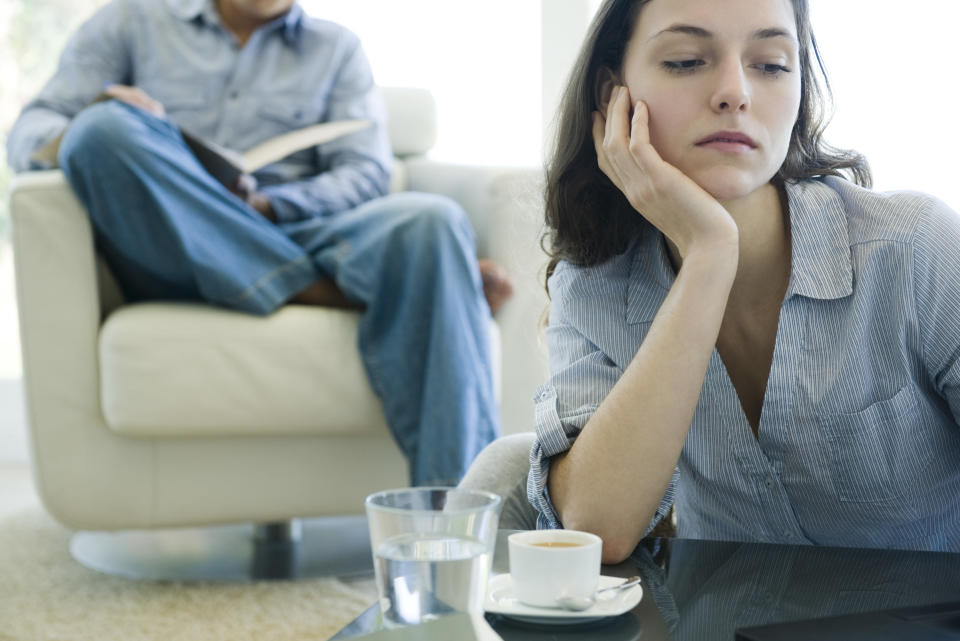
{"x": 424, "y": 337}
{"x": 169, "y": 230}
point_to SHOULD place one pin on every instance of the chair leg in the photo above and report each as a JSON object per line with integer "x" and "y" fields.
{"x": 280, "y": 531}
{"x": 302, "y": 548}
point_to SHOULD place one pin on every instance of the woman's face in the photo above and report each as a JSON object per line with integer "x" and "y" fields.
{"x": 721, "y": 79}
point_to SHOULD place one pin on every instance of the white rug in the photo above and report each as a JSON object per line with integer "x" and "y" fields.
{"x": 46, "y": 596}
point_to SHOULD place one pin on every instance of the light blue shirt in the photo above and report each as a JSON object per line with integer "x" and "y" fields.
{"x": 858, "y": 438}
{"x": 294, "y": 72}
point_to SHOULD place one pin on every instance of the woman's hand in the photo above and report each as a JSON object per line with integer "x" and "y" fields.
{"x": 676, "y": 205}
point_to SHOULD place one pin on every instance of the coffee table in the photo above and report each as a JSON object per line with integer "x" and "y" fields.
{"x": 703, "y": 590}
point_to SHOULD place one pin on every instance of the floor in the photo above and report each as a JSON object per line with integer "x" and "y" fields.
{"x": 16, "y": 488}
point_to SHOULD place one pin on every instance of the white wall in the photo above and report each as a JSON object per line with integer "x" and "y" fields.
{"x": 481, "y": 61}
{"x": 895, "y": 86}
{"x": 12, "y": 423}
{"x": 13, "y": 433}
{"x": 563, "y": 24}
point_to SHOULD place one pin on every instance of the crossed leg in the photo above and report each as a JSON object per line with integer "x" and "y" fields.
{"x": 497, "y": 289}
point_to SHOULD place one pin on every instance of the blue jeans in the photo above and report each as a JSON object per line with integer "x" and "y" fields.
{"x": 171, "y": 232}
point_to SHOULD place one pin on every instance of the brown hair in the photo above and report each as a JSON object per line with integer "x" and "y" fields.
{"x": 588, "y": 219}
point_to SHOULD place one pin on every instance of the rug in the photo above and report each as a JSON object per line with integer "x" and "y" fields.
{"x": 46, "y": 596}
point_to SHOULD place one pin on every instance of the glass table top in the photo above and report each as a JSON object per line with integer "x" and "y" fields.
{"x": 703, "y": 590}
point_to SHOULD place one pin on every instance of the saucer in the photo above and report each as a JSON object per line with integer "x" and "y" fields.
{"x": 500, "y": 600}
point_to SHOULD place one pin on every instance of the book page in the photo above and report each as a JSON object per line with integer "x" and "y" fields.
{"x": 285, "y": 144}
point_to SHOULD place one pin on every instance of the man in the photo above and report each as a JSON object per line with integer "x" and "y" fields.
{"x": 313, "y": 228}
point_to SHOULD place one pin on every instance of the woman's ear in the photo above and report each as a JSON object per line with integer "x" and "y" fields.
{"x": 604, "y": 85}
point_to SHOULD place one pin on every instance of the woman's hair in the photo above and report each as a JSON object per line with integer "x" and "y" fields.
{"x": 588, "y": 219}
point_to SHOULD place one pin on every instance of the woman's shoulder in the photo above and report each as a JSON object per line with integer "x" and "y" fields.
{"x": 603, "y": 279}
{"x": 603, "y": 304}
{"x": 892, "y": 216}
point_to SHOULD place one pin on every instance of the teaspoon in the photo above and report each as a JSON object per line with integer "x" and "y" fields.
{"x": 580, "y": 603}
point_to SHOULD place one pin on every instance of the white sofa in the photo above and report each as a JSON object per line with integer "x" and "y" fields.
{"x": 160, "y": 415}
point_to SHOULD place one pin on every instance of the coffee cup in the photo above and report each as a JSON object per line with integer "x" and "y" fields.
{"x": 546, "y": 565}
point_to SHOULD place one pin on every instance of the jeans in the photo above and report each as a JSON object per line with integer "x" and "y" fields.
{"x": 171, "y": 232}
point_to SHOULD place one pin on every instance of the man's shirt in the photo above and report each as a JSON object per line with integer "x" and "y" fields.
{"x": 293, "y": 72}
{"x": 858, "y": 441}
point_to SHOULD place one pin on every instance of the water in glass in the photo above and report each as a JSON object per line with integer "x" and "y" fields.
{"x": 425, "y": 576}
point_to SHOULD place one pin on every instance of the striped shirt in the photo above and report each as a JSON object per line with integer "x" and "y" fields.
{"x": 858, "y": 440}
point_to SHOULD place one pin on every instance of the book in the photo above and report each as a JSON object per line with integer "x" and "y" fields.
{"x": 227, "y": 165}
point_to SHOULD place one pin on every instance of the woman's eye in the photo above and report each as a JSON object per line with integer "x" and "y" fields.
{"x": 682, "y": 66}
{"x": 770, "y": 69}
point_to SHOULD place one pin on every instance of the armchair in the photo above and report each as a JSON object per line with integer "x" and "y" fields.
{"x": 153, "y": 416}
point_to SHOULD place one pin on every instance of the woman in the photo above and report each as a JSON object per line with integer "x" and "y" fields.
{"x": 735, "y": 328}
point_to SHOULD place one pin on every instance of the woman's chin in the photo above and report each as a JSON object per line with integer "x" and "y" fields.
{"x": 727, "y": 185}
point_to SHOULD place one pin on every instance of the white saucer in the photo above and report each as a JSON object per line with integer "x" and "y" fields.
{"x": 500, "y": 600}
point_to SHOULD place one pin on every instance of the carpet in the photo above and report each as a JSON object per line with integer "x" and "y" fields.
{"x": 46, "y": 596}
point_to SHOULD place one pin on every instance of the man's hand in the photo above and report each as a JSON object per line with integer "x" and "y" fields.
{"x": 246, "y": 188}
{"x": 137, "y": 98}
{"x": 262, "y": 204}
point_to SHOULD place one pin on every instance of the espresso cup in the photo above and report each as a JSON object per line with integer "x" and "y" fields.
{"x": 546, "y": 565}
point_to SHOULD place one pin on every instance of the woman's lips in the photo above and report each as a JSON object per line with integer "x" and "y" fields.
{"x": 728, "y": 142}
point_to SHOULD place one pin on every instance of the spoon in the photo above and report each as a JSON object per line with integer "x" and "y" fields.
{"x": 579, "y": 603}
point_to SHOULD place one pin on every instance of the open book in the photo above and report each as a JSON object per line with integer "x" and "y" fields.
{"x": 226, "y": 165}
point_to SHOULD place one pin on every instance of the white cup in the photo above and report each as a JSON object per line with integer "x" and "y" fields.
{"x": 546, "y": 565}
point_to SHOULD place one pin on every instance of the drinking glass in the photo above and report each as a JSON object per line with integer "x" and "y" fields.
{"x": 432, "y": 550}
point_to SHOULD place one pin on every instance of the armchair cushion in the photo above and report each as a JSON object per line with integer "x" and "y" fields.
{"x": 175, "y": 370}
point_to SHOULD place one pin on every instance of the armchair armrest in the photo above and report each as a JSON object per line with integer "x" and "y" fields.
{"x": 505, "y": 206}
{"x": 56, "y": 268}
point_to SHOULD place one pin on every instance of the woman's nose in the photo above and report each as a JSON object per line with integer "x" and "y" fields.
{"x": 731, "y": 93}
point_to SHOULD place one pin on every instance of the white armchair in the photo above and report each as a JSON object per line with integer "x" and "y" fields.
{"x": 166, "y": 415}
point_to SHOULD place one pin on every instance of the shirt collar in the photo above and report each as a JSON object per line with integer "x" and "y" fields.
{"x": 189, "y": 10}
{"x": 292, "y": 23}
{"x": 821, "y": 265}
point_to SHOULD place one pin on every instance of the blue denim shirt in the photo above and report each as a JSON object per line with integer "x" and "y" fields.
{"x": 858, "y": 441}
{"x": 294, "y": 72}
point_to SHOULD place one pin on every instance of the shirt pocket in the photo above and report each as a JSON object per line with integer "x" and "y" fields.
{"x": 876, "y": 454}
{"x": 177, "y": 94}
{"x": 291, "y": 111}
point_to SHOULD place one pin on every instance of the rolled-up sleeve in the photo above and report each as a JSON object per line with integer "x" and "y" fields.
{"x": 355, "y": 168}
{"x": 581, "y": 376}
{"x": 96, "y": 55}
